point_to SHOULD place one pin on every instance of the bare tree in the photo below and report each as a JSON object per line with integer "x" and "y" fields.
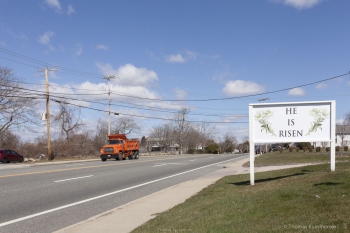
{"x": 229, "y": 142}
{"x": 16, "y": 105}
{"x": 69, "y": 120}
{"x": 125, "y": 125}
{"x": 181, "y": 126}
{"x": 207, "y": 131}
{"x": 343, "y": 131}
{"x": 10, "y": 140}
{"x": 193, "y": 138}
{"x": 100, "y": 136}
{"x": 244, "y": 145}
{"x": 347, "y": 118}
{"x": 164, "y": 134}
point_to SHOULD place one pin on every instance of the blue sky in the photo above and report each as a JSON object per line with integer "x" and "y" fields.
{"x": 188, "y": 51}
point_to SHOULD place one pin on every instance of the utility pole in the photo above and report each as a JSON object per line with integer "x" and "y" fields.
{"x": 46, "y": 73}
{"x": 109, "y": 101}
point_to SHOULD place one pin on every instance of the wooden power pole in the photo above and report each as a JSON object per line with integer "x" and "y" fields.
{"x": 46, "y": 73}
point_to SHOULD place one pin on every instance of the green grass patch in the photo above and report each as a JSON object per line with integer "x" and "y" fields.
{"x": 303, "y": 199}
{"x": 286, "y": 157}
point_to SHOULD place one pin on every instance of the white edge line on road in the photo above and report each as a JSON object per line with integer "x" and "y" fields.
{"x": 193, "y": 160}
{"x": 107, "y": 194}
{"x": 73, "y": 165}
{"x": 159, "y": 165}
{"x": 73, "y": 178}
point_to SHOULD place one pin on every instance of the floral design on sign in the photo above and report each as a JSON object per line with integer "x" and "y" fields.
{"x": 320, "y": 115}
{"x": 262, "y": 117}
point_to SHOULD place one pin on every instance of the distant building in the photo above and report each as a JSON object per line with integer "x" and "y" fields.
{"x": 157, "y": 144}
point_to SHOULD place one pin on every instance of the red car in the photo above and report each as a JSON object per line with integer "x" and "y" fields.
{"x": 7, "y": 156}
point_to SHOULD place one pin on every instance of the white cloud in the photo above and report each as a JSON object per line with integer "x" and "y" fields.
{"x": 51, "y": 48}
{"x": 118, "y": 90}
{"x": 78, "y": 49}
{"x": 45, "y": 39}
{"x": 129, "y": 74}
{"x": 179, "y": 58}
{"x": 7, "y": 30}
{"x": 54, "y": 4}
{"x": 2, "y": 43}
{"x": 70, "y": 10}
{"x": 101, "y": 47}
{"x": 175, "y": 58}
{"x": 241, "y": 87}
{"x": 224, "y": 76}
{"x": 321, "y": 86}
{"x": 191, "y": 55}
{"x": 299, "y": 4}
{"x": 180, "y": 94}
{"x": 296, "y": 91}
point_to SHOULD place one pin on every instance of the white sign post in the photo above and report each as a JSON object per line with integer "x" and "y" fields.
{"x": 291, "y": 122}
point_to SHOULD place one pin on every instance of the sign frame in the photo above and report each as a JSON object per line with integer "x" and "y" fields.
{"x": 261, "y": 131}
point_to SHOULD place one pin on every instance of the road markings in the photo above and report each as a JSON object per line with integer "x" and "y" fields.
{"x": 108, "y": 194}
{"x": 164, "y": 164}
{"x": 73, "y": 178}
{"x": 78, "y": 168}
{"x": 159, "y": 165}
{"x": 193, "y": 160}
{"x": 73, "y": 165}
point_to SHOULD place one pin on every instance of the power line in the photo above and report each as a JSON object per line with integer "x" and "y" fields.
{"x": 143, "y": 107}
{"x": 194, "y": 100}
{"x": 157, "y": 118}
{"x": 240, "y": 97}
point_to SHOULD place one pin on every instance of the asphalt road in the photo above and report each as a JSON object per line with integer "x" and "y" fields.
{"x": 50, "y": 197}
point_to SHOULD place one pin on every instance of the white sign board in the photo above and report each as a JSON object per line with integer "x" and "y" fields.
{"x": 43, "y": 116}
{"x": 291, "y": 122}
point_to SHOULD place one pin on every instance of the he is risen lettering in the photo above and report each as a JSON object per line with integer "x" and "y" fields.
{"x": 291, "y": 122}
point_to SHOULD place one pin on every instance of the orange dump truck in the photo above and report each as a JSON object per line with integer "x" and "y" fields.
{"x": 119, "y": 147}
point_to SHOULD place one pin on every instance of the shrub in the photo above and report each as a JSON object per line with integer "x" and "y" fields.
{"x": 199, "y": 151}
{"x": 191, "y": 151}
{"x": 297, "y": 149}
{"x": 229, "y": 149}
{"x": 328, "y": 149}
{"x": 280, "y": 150}
{"x": 212, "y": 148}
{"x": 337, "y": 148}
{"x": 310, "y": 149}
{"x": 346, "y": 148}
{"x": 303, "y": 145}
{"x": 290, "y": 149}
{"x": 318, "y": 149}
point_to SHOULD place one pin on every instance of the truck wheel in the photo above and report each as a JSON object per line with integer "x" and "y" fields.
{"x": 136, "y": 154}
{"x": 103, "y": 159}
{"x": 120, "y": 156}
{"x": 130, "y": 157}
